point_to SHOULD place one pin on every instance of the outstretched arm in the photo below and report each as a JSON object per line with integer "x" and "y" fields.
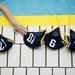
{"x": 16, "y": 25}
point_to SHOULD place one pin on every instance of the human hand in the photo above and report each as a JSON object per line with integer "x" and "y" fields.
{"x": 20, "y": 29}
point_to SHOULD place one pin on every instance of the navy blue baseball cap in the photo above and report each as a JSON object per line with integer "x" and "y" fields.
{"x": 5, "y": 44}
{"x": 34, "y": 39}
{"x": 53, "y": 39}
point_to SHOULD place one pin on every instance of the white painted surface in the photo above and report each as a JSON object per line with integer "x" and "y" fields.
{"x": 14, "y": 56}
{"x": 52, "y": 58}
{"x": 58, "y": 71}
{"x": 70, "y": 71}
{"x": 19, "y": 71}
{"x": 65, "y": 58}
{"x": 26, "y": 56}
{"x": 32, "y": 71}
{"x": 39, "y": 56}
{"x": 8, "y": 32}
{"x": 6, "y": 71}
{"x": 3, "y": 59}
{"x": 45, "y": 71}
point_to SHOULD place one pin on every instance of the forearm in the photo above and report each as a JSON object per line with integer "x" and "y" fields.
{"x": 7, "y": 13}
{"x": 17, "y": 27}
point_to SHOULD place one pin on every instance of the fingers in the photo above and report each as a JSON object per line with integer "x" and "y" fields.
{"x": 19, "y": 32}
{"x": 23, "y": 30}
{"x": 20, "y": 29}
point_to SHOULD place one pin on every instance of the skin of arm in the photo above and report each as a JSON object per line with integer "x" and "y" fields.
{"x": 17, "y": 27}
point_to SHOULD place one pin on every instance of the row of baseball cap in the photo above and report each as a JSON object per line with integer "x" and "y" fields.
{"x": 53, "y": 40}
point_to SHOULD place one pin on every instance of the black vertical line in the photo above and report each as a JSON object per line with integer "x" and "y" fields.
{"x": 20, "y": 56}
{"x": 71, "y": 59}
{"x": 39, "y": 28}
{"x": 45, "y": 56}
{"x": 65, "y": 72}
{"x": 65, "y": 39}
{"x": 58, "y": 57}
{"x": 32, "y": 57}
{"x": 39, "y": 70}
{"x": 2, "y": 30}
{"x": 7, "y": 57}
{"x": 51, "y": 27}
{"x": 0, "y": 71}
{"x": 52, "y": 71}
{"x": 27, "y": 28}
{"x": 26, "y": 72}
{"x": 13, "y": 71}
